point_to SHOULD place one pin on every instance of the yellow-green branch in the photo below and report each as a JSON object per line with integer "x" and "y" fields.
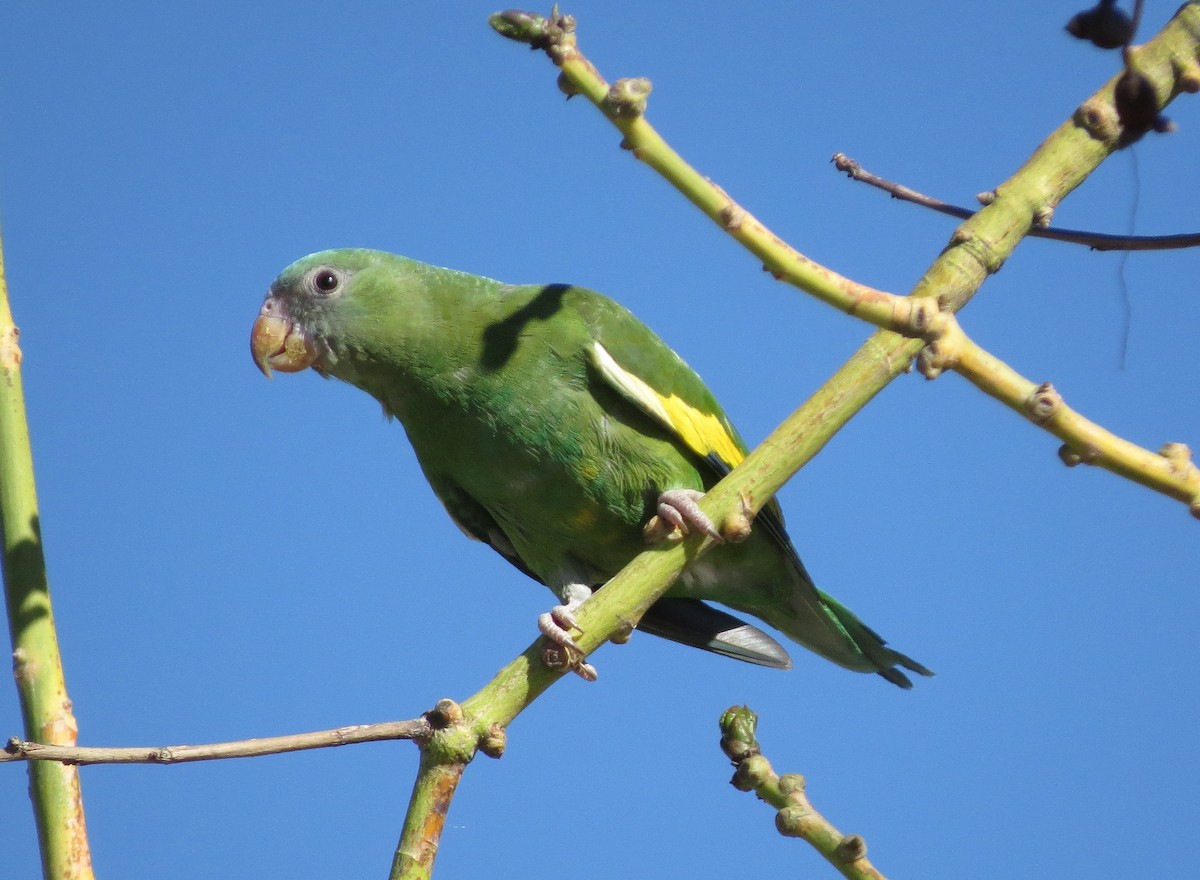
{"x": 37, "y": 664}
{"x": 1169, "y": 471}
{"x": 795, "y": 816}
{"x": 979, "y": 246}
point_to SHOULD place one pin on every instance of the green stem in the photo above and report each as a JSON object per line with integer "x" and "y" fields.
{"x": 37, "y": 664}
{"x": 795, "y": 816}
{"x": 422, "y": 832}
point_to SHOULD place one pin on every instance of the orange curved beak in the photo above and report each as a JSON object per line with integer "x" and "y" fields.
{"x": 277, "y": 343}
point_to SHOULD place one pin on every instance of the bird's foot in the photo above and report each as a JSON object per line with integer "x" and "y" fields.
{"x": 564, "y": 652}
{"x": 679, "y": 515}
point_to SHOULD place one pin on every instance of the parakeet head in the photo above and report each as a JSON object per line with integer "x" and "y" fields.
{"x": 321, "y": 298}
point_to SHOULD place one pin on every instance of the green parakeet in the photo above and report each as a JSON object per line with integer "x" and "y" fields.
{"x": 554, "y": 426}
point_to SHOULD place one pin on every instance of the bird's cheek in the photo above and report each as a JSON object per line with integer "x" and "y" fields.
{"x": 276, "y": 343}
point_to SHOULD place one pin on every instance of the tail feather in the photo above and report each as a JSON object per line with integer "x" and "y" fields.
{"x": 872, "y": 646}
{"x": 692, "y": 622}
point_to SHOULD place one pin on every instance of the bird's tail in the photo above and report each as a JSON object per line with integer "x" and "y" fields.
{"x": 871, "y": 645}
{"x": 826, "y": 627}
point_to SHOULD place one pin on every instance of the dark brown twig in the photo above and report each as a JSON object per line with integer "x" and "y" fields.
{"x": 1098, "y": 241}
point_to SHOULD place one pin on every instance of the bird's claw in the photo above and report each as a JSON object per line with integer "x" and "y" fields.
{"x": 679, "y": 515}
{"x": 561, "y": 657}
{"x": 564, "y": 652}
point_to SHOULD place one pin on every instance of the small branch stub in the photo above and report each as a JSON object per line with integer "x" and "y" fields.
{"x": 1044, "y": 403}
{"x": 732, "y": 216}
{"x": 736, "y": 527}
{"x": 1178, "y": 455}
{"x": 852, "y": 848}
{"x": 626, "y": 98}
{"x": 1098, "y": 119}
{"x": 1072, "y": 458}
{"x": 445, "y": 713}
{"x": 494, "y": 741}
{"x": 1187, "y": 74}
{"x": 790, "y": 821}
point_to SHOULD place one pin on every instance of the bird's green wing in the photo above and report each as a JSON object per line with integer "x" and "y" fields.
{"x": 474, "y": 521}
{"x": 648, "y": 374}
{"x": 660, "y": 384}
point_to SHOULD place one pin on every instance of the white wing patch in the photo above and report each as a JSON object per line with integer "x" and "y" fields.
{"x": 704, "y": 433}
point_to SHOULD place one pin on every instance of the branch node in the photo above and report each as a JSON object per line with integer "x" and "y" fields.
{"x": 844, "y": 163}
{"x": 1044, "y": 403}
{"x": 791, "y": 784}
{"x": 931, "y": 361}
{"x": 736, "y": 527}
{"x": 626, "y": 98}
{"x": 851, "y": 848}
{"x": 986, "y": 198}
{"x": 493, "y": 741}
{"x": 1187, "y": 73}
{"x": 1089, "y": 454}
{"x": 1099, "y": 119}
{"x": 445, "y": 713}
{"x": 756, "y": 770}
{"x": 791, "y": 821}
{"x": 1179, "y": 457}
{"x": 1042, "y": 216}
{"x": 566, "y": 86}
{"x": 10, "y": 352}
{"x": 944, "y": 345}
{"x": 623, "y": 632}
{"x": 732, "y": 216}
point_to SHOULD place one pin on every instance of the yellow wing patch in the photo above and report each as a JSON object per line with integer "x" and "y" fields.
{"x": 704, "y": 433}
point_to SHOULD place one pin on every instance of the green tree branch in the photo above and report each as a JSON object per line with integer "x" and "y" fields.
{"x": 37, "y": 664}
{"x": 795, "y": 815}
{"x": 1170, "y": 64}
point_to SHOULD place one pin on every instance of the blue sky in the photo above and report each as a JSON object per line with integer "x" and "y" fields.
{"x": 232, "y": 557}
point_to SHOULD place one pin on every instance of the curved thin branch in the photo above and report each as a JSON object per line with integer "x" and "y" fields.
{"x": 1097, "y": 241}
{"x": 1169, "y": 471}
{"x": 979, "y": 246}
{"x": 20, "y": 750}
{"x": 624, "y": 104}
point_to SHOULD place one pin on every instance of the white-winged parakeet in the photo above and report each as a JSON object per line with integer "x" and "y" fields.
{"x": 554, "y": 426}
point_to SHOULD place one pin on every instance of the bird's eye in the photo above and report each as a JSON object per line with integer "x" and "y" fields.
{"x": 325, "y": 281}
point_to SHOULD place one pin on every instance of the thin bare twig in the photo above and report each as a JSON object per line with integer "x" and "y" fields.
{"x": 1097, "y": 241}
{"x": 20, "y": 750}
